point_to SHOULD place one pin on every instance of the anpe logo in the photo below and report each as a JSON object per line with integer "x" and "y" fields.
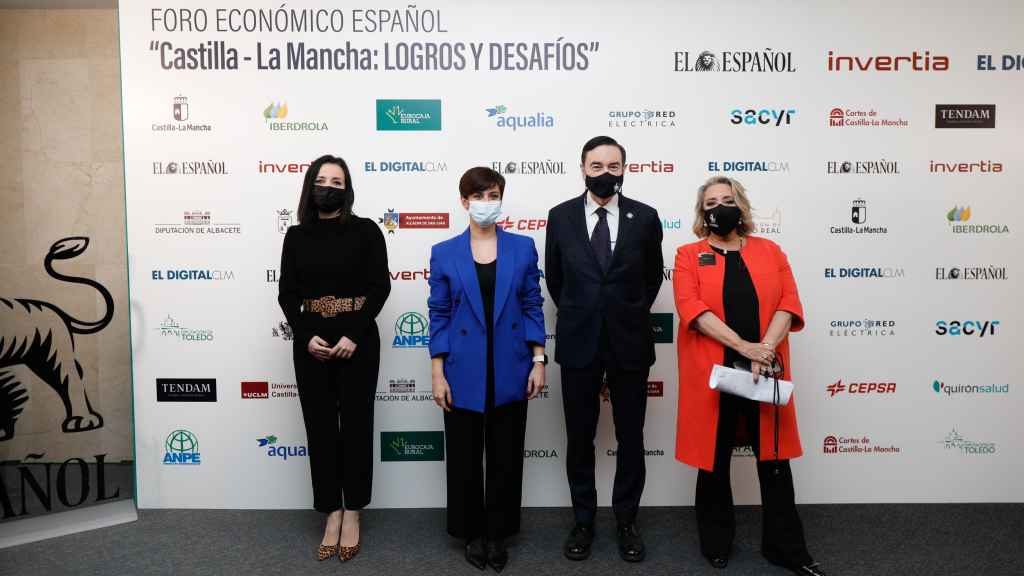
{"x": 411, "y": 331}
{"x": 981, "y": 328}
{"x": 181, "y": 447}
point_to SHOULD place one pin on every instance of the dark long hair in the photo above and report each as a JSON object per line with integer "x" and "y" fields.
{"x": 307, "y": 208}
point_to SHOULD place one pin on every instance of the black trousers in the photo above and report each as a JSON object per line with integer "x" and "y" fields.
{"x": 782, "y": 537}
{"x": 485, "y": 503}
{"x": 581, "y": 401}
{"x": 337, "y": 399}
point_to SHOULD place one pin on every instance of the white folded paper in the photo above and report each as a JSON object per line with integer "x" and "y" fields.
{"x": 741, "y": 383}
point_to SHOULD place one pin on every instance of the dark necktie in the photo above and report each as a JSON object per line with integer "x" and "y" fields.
{"x": 601, "y": 240}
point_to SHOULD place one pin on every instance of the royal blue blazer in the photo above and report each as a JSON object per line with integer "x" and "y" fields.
{"x": 457, "y": 326}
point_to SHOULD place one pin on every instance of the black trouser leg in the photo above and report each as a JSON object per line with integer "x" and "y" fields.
{"x": 581, "y": 402}
{"x": 505, "y": 428}
{"x": 464, "y": 443}
{"x": 716, "y": 520}
{"x": 628, "y": 392}
{"x": 782, "y": 537}
{"x": 337, "y": 409}
{"x": 357, "y": 384}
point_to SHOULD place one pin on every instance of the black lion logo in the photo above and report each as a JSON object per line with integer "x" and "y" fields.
{"x": 42, "y": 337}
{"x": 706, "y": 62}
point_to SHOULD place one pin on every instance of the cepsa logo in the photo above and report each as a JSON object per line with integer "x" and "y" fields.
{"x": 523, "y": 224}
{"x": 860, "y": 388}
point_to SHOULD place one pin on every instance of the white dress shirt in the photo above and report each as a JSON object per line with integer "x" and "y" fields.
{"x": 590, "y": 210}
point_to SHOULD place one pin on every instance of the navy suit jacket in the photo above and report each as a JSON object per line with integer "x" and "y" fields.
{"x": 457, "y": 326}
{"x": 589, "y": 299}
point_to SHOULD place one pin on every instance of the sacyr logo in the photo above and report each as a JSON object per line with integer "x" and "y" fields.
{"x": 958, "y": 214}
{"x": 181, "y": 447}
{"x": 966, "y": 327}
{"x": 282, "y": 452}
{"x": 276, "y": 111}
{"x": 411, "y": 331}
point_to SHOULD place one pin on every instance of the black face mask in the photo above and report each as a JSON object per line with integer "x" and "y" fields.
{"x": 328, "y": 198}
{"x": 721, "y": 220}
{"x": 604, "y": 185}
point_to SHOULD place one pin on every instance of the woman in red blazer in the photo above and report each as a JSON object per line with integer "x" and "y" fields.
{"x": 737, "y": 302}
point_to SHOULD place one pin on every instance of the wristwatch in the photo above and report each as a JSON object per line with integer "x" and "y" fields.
{"x": 542, "y": 358}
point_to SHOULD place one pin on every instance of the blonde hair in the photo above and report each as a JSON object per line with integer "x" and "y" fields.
{"x": 746, "y": 225}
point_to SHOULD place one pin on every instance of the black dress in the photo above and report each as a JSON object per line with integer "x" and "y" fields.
{"x": 347, "y": 259}
{"x": 485, "y": 503}
{"x": 739, "y": 425}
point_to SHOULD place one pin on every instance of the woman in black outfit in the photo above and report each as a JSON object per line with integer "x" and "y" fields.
{"x": 487, "y": 350}
{"x": 334, "y": 281}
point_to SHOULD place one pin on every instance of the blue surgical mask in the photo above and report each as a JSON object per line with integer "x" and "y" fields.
{"x": 484, "y": 213}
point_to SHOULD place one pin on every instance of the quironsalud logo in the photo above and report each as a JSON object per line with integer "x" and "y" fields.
{"x": 406, "y": 115}
{"x": 181, "y": 447}
{"x": 280, "y": 451}
{"x": 954, "y": 441}
{"x": 535, "y": 120}
{"x": 411, "y": 331}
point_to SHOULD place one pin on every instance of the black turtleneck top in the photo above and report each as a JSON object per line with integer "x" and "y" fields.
{"x": 341, "y": 257}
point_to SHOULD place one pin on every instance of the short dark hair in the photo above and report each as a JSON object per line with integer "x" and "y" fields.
{"x": 307, "y": 208}
{"x": 479, "y": 179}
{"x": 601, "y": 141}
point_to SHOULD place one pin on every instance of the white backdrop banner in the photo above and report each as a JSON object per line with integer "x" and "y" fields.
{"x": 880, "y": 149}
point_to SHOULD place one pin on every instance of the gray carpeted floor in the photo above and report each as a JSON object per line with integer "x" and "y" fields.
{"x": 933, "y": 540}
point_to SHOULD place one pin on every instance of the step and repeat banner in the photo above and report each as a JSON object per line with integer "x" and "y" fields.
{"x": 881, "y": 150}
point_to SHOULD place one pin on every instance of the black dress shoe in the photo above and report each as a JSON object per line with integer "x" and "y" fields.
{"x": 631, "y": 545}
{"x": 475, "y": 553}
{"x": 577, "y": 545}
{"x": 813, "y": 569}
{"x": 497, "y": 554}
{"x": 718, "y": 561}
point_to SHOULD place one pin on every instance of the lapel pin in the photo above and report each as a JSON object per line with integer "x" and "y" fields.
{"x": 629, "y": 214}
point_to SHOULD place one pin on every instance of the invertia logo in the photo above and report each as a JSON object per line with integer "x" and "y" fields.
{"x": 273, "y": 167}
{"x": 982, "y": 167}
{"x": 652, "y": 167}
{"x": 860, "y": 388}
{"x": 915, "y": 62}
{"x": 411, "y": 274}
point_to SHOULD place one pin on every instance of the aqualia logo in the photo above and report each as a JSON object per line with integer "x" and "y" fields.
{"x": 283, "y": 452}
{"x": 535, "y": 120}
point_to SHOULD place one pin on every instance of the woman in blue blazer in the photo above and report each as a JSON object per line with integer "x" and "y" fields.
{"x": 487, "y": 354}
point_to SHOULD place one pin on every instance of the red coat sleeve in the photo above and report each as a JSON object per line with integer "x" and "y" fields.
{"x": 790, "y": 301}
{"x": 686, "y": 290}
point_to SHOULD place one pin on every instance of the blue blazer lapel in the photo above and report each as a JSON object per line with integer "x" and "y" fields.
{"x": 503, "y": 278}
{"x": 467, "y": 273}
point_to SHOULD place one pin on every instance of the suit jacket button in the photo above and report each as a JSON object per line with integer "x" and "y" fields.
{"x": 462, "y": 331}
{"x": 515, "y": 325}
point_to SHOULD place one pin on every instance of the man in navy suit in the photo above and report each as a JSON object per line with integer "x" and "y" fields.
{"x": 603, "y": 267}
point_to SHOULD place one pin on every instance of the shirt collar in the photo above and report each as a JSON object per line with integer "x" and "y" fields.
{"x": 612, "y": 206}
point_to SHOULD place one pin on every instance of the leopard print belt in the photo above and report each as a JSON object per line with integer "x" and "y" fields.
{"x": 329, "y": 306}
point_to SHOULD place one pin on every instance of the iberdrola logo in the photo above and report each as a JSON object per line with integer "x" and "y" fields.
{"x": 958, "y": 214}
{"x": 276, "y": 111}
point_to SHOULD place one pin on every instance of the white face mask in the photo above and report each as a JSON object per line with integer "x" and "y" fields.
{"x": 484, "y": 213}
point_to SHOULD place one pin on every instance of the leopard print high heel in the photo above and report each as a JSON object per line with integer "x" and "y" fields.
{"x": 326, "y": 552}
{"x": 346, "y": 553}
